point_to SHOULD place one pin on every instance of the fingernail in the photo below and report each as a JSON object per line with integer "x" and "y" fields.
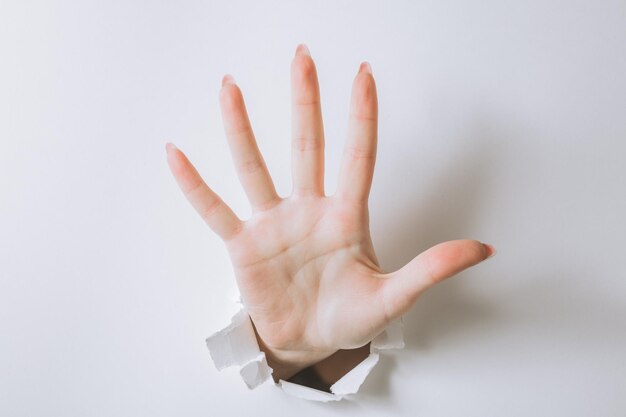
{"x": 302, "y": 49}
{"x": 169, "y": 146}
{"x": 228, "y": 79}
{"x": 365, "y": 67}
{"x": 491, "y": 251}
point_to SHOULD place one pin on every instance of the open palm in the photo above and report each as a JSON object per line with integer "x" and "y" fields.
{"x": 305, "y": 264}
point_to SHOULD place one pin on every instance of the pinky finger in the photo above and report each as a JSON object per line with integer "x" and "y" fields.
{"x": 220, "y": 218}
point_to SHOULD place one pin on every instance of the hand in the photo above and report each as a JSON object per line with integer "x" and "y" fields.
{"x": 305, "y": 264}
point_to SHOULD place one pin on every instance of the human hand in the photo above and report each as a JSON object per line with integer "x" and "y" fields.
{"x": 305, "y": 264}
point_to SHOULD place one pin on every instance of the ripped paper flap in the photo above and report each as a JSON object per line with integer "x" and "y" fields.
{"x": 236, "y": 345}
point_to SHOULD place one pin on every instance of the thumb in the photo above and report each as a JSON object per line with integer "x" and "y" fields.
{"x": 402, "y": 287}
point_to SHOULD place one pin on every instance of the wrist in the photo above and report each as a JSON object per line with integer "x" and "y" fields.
{"x": 286, "y": 364}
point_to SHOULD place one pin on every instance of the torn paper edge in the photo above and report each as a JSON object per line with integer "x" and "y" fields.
{"x": 236, "y": 345}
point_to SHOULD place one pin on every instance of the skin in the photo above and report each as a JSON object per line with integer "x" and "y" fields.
{"x": 305, "y": 264}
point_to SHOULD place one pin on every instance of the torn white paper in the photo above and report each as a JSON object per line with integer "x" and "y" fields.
{"x": 236, "y": 345}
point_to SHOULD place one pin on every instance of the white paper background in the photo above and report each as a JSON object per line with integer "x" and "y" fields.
{"x": 501, "y": 121}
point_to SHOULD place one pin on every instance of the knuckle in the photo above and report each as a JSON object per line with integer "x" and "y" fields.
{"x": 268, "y": 204}
{"x": 307, "y": 143}
{"x": 394, "y": 303}
{"x": 305, "y": 191}
{"x": 235, "y": 232}
{"x": 364, "y": 116}
{"x": 194, "y": 188}
{"x": 429, "y": 272}
{"x": 357, "y": 153}
{"x": 211, "y": 208}
{"x": 251, "y": 166}
{"x": 239, "y": 129}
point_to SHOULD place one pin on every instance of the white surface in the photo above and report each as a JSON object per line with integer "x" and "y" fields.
{"x": 501, "y": 121}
